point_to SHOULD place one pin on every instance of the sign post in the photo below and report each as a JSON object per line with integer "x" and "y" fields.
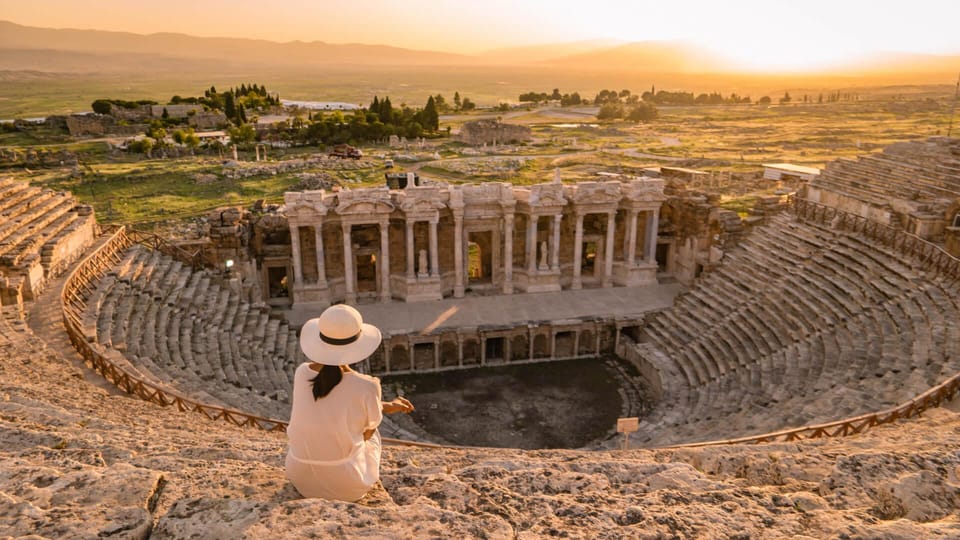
{"x": 627, "y": 426}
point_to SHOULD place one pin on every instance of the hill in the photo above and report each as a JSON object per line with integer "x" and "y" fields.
{"x": 52, "y": 49}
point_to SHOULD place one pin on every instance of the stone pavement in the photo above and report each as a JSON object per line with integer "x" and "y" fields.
{"x": 511, "y": 310}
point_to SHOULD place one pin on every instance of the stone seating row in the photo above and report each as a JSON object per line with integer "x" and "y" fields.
{"x": 193, "y": 333}
{"x": 766, "y": 342}
{"x": 877, "y": 178}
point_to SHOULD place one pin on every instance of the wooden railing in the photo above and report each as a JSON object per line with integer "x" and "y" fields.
{"x": 78, "y": 287}
{"x": 81, "y": 283}
{"x": 932, "y": 258}
{"x": 196, "y": 259}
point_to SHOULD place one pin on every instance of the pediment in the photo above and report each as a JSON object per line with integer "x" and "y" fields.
{"x": 361, "y": 207}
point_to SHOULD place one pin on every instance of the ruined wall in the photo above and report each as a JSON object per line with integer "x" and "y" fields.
{"x": 492, "y": 131}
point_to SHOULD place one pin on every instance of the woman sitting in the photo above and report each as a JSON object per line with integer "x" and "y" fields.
{"x": 334, "y": 446}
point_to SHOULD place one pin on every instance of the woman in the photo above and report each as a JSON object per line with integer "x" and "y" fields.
{"x": 334, "y": 449}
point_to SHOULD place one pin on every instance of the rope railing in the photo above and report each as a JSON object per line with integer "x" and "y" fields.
{"x": 932, "y": 258}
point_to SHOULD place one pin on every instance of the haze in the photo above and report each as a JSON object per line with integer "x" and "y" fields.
{"x": 758, "y": 35}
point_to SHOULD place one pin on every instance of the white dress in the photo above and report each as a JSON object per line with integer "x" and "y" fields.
{"x": 327, "y": 456}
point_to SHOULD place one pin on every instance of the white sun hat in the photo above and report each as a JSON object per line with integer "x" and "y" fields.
{"x": 339, "y": 337}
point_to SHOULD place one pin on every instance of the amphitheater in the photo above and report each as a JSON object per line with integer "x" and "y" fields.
{"x": 800, "y": 374}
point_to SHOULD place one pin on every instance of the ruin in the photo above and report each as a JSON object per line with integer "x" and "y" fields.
{"x": 785, "y": 319}
{"x": 483, "y": 132}
{"x": 914, "y": 186}
{"x": 41, "y": 233}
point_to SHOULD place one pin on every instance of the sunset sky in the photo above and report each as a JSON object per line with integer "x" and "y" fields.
{"x": 757, "y": 34}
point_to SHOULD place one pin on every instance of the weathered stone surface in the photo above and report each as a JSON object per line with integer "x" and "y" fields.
{"x": 77, "y": 461}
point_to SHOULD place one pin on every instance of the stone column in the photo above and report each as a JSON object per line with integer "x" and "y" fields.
{"x": 386, "y": 354}
{"x": 410, "y": 274}
{"x": 384, "y": 263}
{"x": 532, "y": 245}
{"x": 508, "y": 254}
{"x": 555, "y": 245}
{"x": 434, "y": 250}
{"x": 348, "y": 275}
{"x": 530, "y": 340}
{"x": 295, "y": 253}
{"x": 577, "y": 253}
{"x": 631, "y": 238}
{"x": 321, "y": 265}
{"x": 458, "y": 254}
{"x": 608, "y": 250}
{"x": 650, "y": 242}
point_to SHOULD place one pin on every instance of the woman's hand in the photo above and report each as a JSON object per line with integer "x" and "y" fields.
{"x": 398, "y": 405}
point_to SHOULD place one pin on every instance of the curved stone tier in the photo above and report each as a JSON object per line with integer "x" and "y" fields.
{"x": 800, "y": 325}
{"x": 81, "y": 462}
{"x": 41, "y": 232}
{"x": 185, "y": 329}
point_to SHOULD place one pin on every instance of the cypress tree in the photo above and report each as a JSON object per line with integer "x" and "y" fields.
{"x": 431, "y": 119}
{"x": 386, "y": 111}
{"x": 229, "y": 106}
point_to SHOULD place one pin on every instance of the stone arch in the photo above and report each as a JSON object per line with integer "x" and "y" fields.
{"x": 563, "y": 344}
{"x": 519, "y": 348}
{"x": 471, "y": 351}
{"x": 541, "y": 346}
{"x": 587, "y": 344}
{"x": 423, "y": 356}
{"x": 400, "y": 358}
{"x": 377, "y": 361}
{"x": 449, "y": 356}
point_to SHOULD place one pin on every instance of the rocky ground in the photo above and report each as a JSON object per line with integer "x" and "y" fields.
{"x": 79, "y": 461}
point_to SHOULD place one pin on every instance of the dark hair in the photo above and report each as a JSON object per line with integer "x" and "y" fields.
{"x": 324, "y": 382}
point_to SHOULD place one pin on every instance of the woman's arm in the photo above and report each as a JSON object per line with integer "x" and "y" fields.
{"x": 399, "y": 404}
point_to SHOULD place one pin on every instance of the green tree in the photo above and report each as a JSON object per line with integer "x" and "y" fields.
{"x": 556, "y": 94}
{"x": 456, "y": 101}
{"x": 431, "y": 118}
{"x": 229, "y": 106}
{"x": 156, "y": 132}
{"x": 765, "y": 100}
{"x": 440, "y": 103}
{"x": 243, "y": 134}
{"x": 468, "y": 105}
{"x": 786, "y": 98}
{"x": 610, "y": 111}
{"x": 101, "y": 106}
{"x": 386, "y": 111}
{"x": 643, "y": 112}
{"x": 165, "y": 114}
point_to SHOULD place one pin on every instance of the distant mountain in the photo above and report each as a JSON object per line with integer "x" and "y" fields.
{"x": 901, "y": 63}
{"x": 25, "y": 48}
{"x": 540, "y": 53}
{"x": 647, "y": 56}
{"x": 252, "y": 52}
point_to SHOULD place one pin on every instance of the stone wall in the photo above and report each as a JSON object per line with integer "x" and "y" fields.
{"x": 493, "y": 132}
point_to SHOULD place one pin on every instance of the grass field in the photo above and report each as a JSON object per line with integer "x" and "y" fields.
{"x": 718, "y": 138}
